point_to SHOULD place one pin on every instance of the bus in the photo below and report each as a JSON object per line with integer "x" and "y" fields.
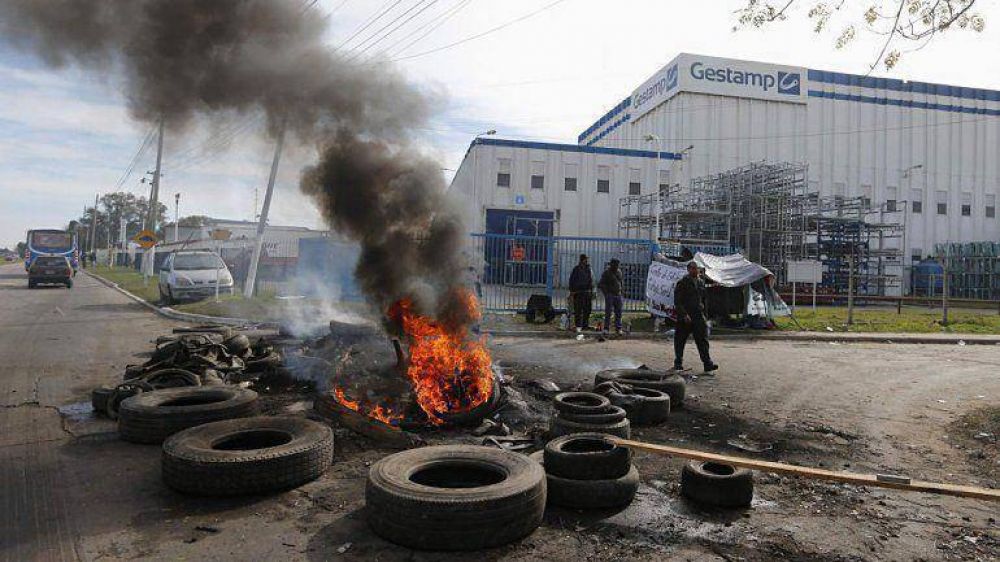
{"x": 49, "y": 242}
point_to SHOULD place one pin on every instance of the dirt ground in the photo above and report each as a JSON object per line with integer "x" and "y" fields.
{"x": 71, "y": 490}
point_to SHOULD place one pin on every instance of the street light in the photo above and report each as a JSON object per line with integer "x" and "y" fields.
{"x": 177, "y": 213}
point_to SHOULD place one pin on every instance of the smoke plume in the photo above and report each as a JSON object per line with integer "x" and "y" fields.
{"x": 183, "y": 60}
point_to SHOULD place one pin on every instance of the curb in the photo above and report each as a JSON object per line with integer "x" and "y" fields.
{"x": 172, "y": 314}
{"x": 817, "y": 337}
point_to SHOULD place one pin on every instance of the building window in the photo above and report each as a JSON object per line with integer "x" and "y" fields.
{"x": 570, "y": 173}
{"x": 942, "y": 208}
{"x": 917, "y": 196}
{"x": 966, "y": 204}
{"x": 503, "y": 172}
{"x": 538, "y": 175}
{"x": 966, "y": 210}
{"x": 918, "y": 207}
{"x": 537, "y": 182}
{"x": 604, "y": 186}
{"x": 604, "y": 179}
{"x": 991, "y": 206}
{"x": 570, "y": 184}
{"x": 941, "y": 198}
{"x": 664, "y": 180}
{"x": 890, "y": 205}
{"x": 634, "y": 188}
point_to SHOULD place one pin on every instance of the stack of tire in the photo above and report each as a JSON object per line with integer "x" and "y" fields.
{"x": 588, "y": 471}
{"x": 587, "y": 412}
{"x": 647, "y": 396}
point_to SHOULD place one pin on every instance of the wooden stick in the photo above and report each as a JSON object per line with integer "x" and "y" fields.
{"x": 879, "y": 480}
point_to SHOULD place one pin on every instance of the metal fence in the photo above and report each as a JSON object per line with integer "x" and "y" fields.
{"x": 514, "y": 267}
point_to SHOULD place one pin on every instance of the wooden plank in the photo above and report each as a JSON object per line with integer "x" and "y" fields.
{"x": 895, "y": 482}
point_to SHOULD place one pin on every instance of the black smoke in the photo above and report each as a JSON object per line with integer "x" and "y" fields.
{"x": 187, "y": 60}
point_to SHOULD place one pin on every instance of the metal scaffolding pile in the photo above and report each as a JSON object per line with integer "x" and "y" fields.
{"x": 973, "y": 269}
{"x": 767, "y": 210}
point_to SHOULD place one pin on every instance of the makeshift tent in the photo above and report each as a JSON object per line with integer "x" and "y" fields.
{"x": 737, "y": 286}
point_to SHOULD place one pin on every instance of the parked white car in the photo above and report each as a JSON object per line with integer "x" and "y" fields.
{"x": 193, "y": 276}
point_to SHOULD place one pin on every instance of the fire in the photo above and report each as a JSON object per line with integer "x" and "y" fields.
{"x": 450, "y": 371}
{"x": 380, "y": 412}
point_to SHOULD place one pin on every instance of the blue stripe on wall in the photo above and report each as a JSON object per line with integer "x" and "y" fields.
{"x": 902, "y": 86}
{"x": 486, "y": 141}
{"x": 903, "y": 103}
{"x": 625, "y": 104}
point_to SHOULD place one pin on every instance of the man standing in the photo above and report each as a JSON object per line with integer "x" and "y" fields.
{"x": 689, "y": 300}
{"x": 581, "y": 293}
{"x": 611, "y": 285}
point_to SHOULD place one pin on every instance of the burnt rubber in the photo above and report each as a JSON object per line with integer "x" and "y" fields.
{"x": 99, "y": 398}
{"x": 664, "y": 381}
{"x": 151, "y": 417}
{"x": 717, "y": 484}
{"x": 593, "y": 494}
{"x": 475, "y": 416}
{"x": 586, "y": 456}
{"x": 612, "y": 415}
{"x": 455, "y": 497}
{"x": 172, "y": 378}
{"x": 560, "y": 426}
{"x": 247, "y": 456}
{"x": 580, "y": 403}
{"x": 644, "y": 406}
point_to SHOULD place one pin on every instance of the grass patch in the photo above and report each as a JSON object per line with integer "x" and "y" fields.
{"x": 130, "y": 280}
{"x": 910, "y": 321}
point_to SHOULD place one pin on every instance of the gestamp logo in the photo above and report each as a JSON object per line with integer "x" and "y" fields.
{"x": 672, "y": 77}
{"x": 788, "y": 83}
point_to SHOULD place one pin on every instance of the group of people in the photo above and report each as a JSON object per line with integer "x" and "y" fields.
{"x": 689, "y": 303}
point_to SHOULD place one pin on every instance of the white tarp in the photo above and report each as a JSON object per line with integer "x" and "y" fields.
{"x": 730, "y": 271}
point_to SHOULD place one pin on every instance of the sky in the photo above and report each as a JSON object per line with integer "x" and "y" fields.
{"x": 67, "y": 135}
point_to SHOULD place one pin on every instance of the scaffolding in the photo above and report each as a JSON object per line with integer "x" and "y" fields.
{"x": 767, "y": 211}
{"x": 973, "y": 269}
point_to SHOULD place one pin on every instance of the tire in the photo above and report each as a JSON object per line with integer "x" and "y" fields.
{"x": 671, "y": 383}
{"x": 151, "y": 417}
{"x": 455, "y": 497}
{"x": 560, "y": 426}
{"x": 643, "y": 405}
{"x": 247, "y": 456}
{"x": 237, "y": 344}
{"x": 580, "y": 403}
{"x": 171, "y": 378}
{"x": 99, "y": 398}
{"x": 613, "y": 415}
{"x": 716, "y": 484}
{"x": 593, "y": 494}
{"x": 270, "y": 361}
{"x": 586, "y": 456}
{"x": 474, "y": 416}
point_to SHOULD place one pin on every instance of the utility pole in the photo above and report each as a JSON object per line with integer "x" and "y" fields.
{"x": 255, "y": 260}
{"x": 121, "y": 235}
{"x": 149, "y": 256}
{"x": 93, "y": 224}
{"x": 177, "y": 213}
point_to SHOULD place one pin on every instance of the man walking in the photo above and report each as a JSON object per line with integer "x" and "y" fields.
{"x": 611, "y": 285}
{"x": 689, "y": 300}
{"x": 581, "y": 293}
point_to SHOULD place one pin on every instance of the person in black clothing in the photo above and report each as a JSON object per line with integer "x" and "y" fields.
{"x": 689, "y": 300}
{"x": 581, "y": 292}
{"x": 611, "y": 285}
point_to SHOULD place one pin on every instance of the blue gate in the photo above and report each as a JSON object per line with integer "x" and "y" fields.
{"x": 514, "y": 267}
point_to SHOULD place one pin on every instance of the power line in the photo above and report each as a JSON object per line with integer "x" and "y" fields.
{"x": 482, "y": 34}
{"x": 372, "y": 20}
{"x": 393, "y": 30}
{"x": 135, "y": 159}
{"x": 435, "y": 23}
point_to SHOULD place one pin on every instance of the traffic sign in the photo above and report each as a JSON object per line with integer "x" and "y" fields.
{"x": 145, "y": 239}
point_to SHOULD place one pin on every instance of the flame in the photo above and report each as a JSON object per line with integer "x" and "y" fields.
{"x": 380, "y": 412}
{"x": 450, "y": 372}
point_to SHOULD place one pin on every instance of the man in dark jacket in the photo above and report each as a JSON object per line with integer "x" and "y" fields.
{"x": 581, "y": 292}
{"x": 689, "y": 300}
{"x": 611, "y": 285}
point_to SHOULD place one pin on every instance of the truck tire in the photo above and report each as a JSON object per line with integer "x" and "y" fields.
{"x": 560, "y": 426}
{"x": 586, "y": 456}
{"x": 247, "y": 456}
{"x": 593, "y": 494}
{"x": 580, "y": 403}
{"x": 455, "y": 497}
{"x": 614, "y": 414}
{"x": 151, "y": 417}
{"x": 717, "y": 484}
{"x": 644, "y": 406}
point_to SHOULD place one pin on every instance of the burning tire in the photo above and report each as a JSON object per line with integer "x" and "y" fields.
{"x": 151, "y": 417}
{"x": 613, "y": 414}
{"x": 474, "y": 416}
{"x": 580, "y": 403}
{"x": 247, "y": 456}
{"x": 586, "y": 456}
{"x": 561, "y": 426}
{"x": 455, "y": 497}
{"x": 643, "y": 405}
{"x": 593, "y": 494}
{"x": 671, "y": 383}
{"x": 717, "y": 484}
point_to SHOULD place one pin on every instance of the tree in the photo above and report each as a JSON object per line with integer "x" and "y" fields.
{"x": 916, "y": 22}
{"x": 194, "y": 220}
{"x": 21, "y": 248}
{"x": 113, "y": 207}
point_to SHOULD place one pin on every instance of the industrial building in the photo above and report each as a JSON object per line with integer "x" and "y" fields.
{"x": 926, "y": 156}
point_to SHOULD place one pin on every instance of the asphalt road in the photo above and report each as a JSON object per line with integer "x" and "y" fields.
{"x": 56, "y": 344}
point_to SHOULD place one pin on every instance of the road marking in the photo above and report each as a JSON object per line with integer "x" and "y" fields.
{"x": 61, "y": 313}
